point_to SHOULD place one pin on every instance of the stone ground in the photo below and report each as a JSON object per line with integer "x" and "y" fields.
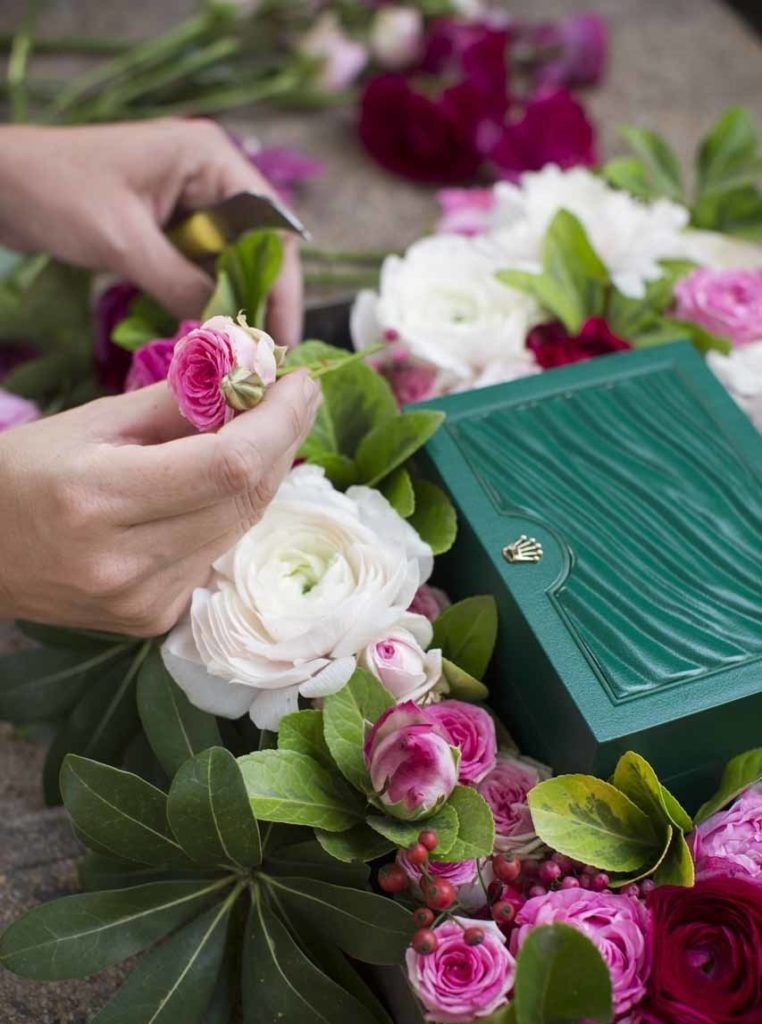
{"x": 675, "y": 65}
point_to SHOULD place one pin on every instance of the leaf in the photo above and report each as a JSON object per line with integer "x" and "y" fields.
{"x": 247, "y": 270}
{"x": 357, "y": 844}
{"x": 146, "y": 320}
{"x": 676, "y": 812}
{"x": 635, "y": 777}
{"x": 629, "y": 174}
{"x": 561, "y": 978}
{"x": 702, "y": 339}
{"x": 740, "y": 772}
{"x": 659, "y": 159}
{"x": 222, "y": 301}
{"x": 467, "y": 632}
{"x": 118, "y": 813}
{"x": 591, "y": 821}
{"x": 734, "y": 211}
{"x": 476, "y": 827}
{"x": 73, "y": 639}
{"x": 310, "y": 859}
{"x": 97, "y": 872}
{"x": 461, "y": 685}
{"x": 391, "y": 443}
{"x": 363, "y": 699}
{"x": 370, "y": 928}
{"x": 404, "y": 833}
{"x": 397, "y": 488}
{"x": 676, "y": 868}
{"x": 292, "y": 788}
{"x": 434, "y": 518}
{"x": 727, "y": 156}
{"x": 302, "y": 731}
{"x": 339, "y": 469}
{"x": 132, "y": 333}
{"x": 79, "y": 935}
{"x": 210, "y": 814}
{"x": 175, "y": 728}
{"x": 174, "y": 984}
{"x": 574, "y": 279}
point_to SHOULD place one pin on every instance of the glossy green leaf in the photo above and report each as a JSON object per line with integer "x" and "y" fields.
{"x": 97, "y": 872}
{"x": 591, "y": 821}
{"x": 635, "y": 777}
{"x": 676, "y": 813}
{"x": 676, "y": 867}
{"x": 659, "y": 158}
{"x": 175, "y": 728}
{"x": 740, "y": 772}
{"x": 285, "y": 786}
{"x": 629, "y": 174}
{"x": 339, "y": 469}
{"x": 302, "y": 731}
{"x": 210, "y": 814}
{"x": 434, "y": 518}
{"x": 345, "y": 714}
{"x": 404, "y": 833}
{"x": 391, "y": 443}
{"x": 79, "y": 935}
{"x": 73, "y": 639}
{"x": 476, "y": 827}
{"x": 308, "y": 858}
{"x": 561, "y": 978}
{"x": 574, "y": 279}
{"x": 702, "y": 339}
{"x": 734, "y": 211}
{"x": 358, "y": 844}
{"x": 728, "y": 155}
{"x": 467, "y": 632}
{"x": 461, "y": 685}
{"x": 247, "y": 270}
{"x": 397, "y": 488}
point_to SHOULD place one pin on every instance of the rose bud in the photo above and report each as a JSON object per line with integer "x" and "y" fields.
{"x": 399, "y": 661}
{"x": 413, "y": 769}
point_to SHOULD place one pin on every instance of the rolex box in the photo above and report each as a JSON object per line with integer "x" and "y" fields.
{"x": 614, "y": 509}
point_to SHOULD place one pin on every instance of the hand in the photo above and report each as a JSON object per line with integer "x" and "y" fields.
{"x": 97, "y": 197}
{"x": 110, "y": 516}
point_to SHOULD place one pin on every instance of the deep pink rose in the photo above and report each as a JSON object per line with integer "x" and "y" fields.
{"x": 469, "y": 878}
{"x": 552, "y": 345}
{"x": 707, "y": 953}
{"x": 616, "y": 924}
{"x": 429, "y": 601}
{"x": 725, "y": 302}
{"x": 472, "y": 731}
{"x": 413, "y": 769}
{"x": 476, "y": 53}
{"x": 15, "y": 411}
{"x": 285, "y": 167}
{"x": 151, "y": 362}
{"x": 505, "y": 789}
{"x": 573, "y": 50}
{"x": 465, "y": 211}
{"x": 112, "y": 361}
{"x": 730, "y": 842}
{"x": 458, "y": 983}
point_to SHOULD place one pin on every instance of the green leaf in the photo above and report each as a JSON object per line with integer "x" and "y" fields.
{"x": 339, "y": 469}
{"x": 635, "y": 777}
{"x": 302, "y": 731}
{"x": 73, "y": 639}
{"x": 174, "y": 984}
{"x": 357, "y": 844}
{"x": 80, "y": 935}
{"x": 370, "y": 928}
{"x": 247, "y": 270}
{"x": 740, "y": 773}
{"x": 702, "y": 339}
{"x": 310, "y": 859}
{"x": 591, "y": 821}
{"x": 727, "y": 156}
{"x": 391, "y": 443}
{"x": 574, "y": 279}
{"x": 404, "y": 833}
{"x": 467, "y": 632}
{"x": 629, "y": 174}
{"x": 734, "y": 211}
{"x": 676, "y": 868}
{"x": 146, "y": 320}
{"x": 434, "y": 518}
{"x": 461, "y": 685}
{"x": 561, "y": 978}
{"x": 397, "y": 488}
{"x": 175, "y": 728}
{"x": 222, "y": 301}
{"x": 292, "y": 788}
{"x": 119, "y": 814}
{"x": 210, "y": 814}
{"x": 476, "y": 827}
{"x": 659, "y": 159}
{"x": 97, "y": 872}
{"x": 676, "y": 813}
{"x": 363, "y": 699}
{"x": 132, "y": 333}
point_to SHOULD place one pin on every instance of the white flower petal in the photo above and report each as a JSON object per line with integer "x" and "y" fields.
{"x": 203, "y": 690}
{"x": 329, "y": 679}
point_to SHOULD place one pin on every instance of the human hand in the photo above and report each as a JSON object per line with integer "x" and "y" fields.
{"x": 111, "y": 514}
{"x": 97, "y": 197}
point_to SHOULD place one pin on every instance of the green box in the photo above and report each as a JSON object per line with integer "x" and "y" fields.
{"x": 641, "y": 626}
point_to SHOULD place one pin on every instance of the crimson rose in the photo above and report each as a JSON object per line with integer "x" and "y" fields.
{"x": 552, "y": 344}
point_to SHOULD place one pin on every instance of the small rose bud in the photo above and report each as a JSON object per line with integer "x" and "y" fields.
{"x": 242, "y": 389}
{"x": 424, "y": 941}
{"x": 429, "y": 839}
{"x": 423, "y": 917}
{"x": 392, "y": 878}
{"x": 417, "y": 854}
{"x": 438, "y": 893}
{"x": 473, "y": 936}
{"x": 503, "y": 911}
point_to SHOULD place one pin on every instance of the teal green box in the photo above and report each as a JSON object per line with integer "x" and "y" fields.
{"x": 641, "y": 625}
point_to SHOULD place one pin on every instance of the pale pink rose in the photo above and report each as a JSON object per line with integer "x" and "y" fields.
{"x": 429, "y": 602}
{"x": 458, "y": 983}
{"x": 396, "y": 36}
{"x": 205, "y": 356}
{"x": 465, "y": 211}
{"x": 343, "y": 58}
{"x": 725, "y": 302}
{"x": 413, "y": 769}
{"x": 616, "y": 924}
{"x": 15, "y": 411}
{"x": 464, "y": 875}
{"x": 730, "y": 842}
{"x": 399, "y": 661}
{"x": 505, "y": 789}
{"x": 472, "y": 731}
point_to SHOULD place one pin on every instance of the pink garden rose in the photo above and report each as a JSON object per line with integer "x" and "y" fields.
{"x": 430, "y": 602}
{"x": 505, "y": 789}
{"x": 204, "y": 360}
{"x": 730, "y": 842}
{"x": 151, "y": 362}
{"x": 465, "y": 211}
{"x": 472, "y": 731}
{"x": 413, "y": 768}
{"x": 616, "y": 924}
{"x": 399, "y": 661}
{"x": 725, "y": 302}
{"x": 458, "y": 983}
{"x": 15, "y": 411}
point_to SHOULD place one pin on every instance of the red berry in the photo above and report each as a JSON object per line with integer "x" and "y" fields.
{"x": 585, "y": 882}
{"x": 423, "y": 917}
{"x": 392, "y": 878}
{"x": 424, "y": 941}
{"x": 565, "y": 863}
{"x": 529, "y": 868}
{"x": 549, "y": 872}
{"x": 417, "y": 854}
{"x": 507, "y": 870}
{"x": 438, "y": 893}
{"x": 429, "y": 839}
{"x": 503, "y": 911}
{"x": 473, "y": 936}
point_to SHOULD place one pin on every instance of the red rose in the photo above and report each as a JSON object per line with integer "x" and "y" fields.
{"x": 707, "y": 953}
{"x": 552, "y": 344}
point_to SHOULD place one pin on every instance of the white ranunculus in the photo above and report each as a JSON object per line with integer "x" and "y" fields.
{"x": 290, "y": 606}
{"x": 741, "y": 373}
{"x": 443, "y": 304}
{"x": 630, "y": 236}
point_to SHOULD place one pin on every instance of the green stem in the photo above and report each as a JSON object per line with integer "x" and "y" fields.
{"x": 344, "y": 278}
{"x": 218, "y": 100}
{"x": 66, "y": 45}
{"x": 18, "y": 65}
{"x": 368, "y": 257}
{"x": 335, "y": 364}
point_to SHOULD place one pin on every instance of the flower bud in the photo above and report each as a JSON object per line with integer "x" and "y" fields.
{"x": 400, "y": 663}
{"x": 242, "y": 389}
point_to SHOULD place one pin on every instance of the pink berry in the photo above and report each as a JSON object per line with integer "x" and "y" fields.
{"x": 565, "y": 863}
{"x": 429, "y": 839}
{"x": 631, "y": 890}
{"x": 599, "y": 881}
{"x": 529, "y": 868}
{"x": 417, "y": 854}
{"x": 506, "y": 869}
{"x": 424, "y": 941}
{"x": 570, "y": 882}
{"x": 585, "y": 882}
{"x": 549, "y": 872}
{"x": 473, "y": 936}
{"x": 646, "y": 886}
{"x": 538, "y": 890}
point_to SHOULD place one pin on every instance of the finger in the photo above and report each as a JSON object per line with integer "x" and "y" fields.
{"x": 147, "y": 416}
{"x": 286, "y": 302}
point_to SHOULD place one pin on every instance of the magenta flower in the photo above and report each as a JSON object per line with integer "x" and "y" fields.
{"x": 505, "y": 789}
{"x": 429, "y": 602}
{"x": 458, "y": 983}
{"x": 578, "y": 48}
{"x": 112, "y": 361}
{"x": 465, "y": 211}
{"x": 730, "y": 842}
{"x": 472, "y": 731}
{"x": 725, "y": 302}
{"x": 151, "y": 362}
{"x": 616, "y": 924}
{"x": 15, "y": 411}
{"x": 413, "y": 768}
{"x": 552, "y": 345}
{"x": 285, "y": 167}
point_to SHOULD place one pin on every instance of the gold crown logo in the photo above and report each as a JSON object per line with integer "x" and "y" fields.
{"x": 525, "y": 549}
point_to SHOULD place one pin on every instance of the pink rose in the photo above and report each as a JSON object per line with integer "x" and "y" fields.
{"x": 730, "y": 842}
{"x": 407, "y": 671}
{"x": 464, "y": 875}
{"x": 472, "y": 731}
{"x": 205, "y": 359}
{"x": 413, "y": 769}
{"x": 151, "y": 362}
{"x": 725, "y": 302}
{"x": 465, "y": 211}
{"x": 616, "y": 924}
{"x": 458, "y": 983}
{"x": 505, "y": 790}
{"x": 343, "y": 58}
{"x": 15, "y": 411}
{"x": 429, "y": 602}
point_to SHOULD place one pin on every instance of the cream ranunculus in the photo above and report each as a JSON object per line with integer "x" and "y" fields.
{"x": 319, "y": 577}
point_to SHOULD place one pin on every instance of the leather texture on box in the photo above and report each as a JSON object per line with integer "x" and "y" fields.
{"x": 641, "y": 625}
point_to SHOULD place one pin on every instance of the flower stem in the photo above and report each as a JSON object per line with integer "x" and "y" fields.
{"x": 369, "y": 257}
{"x": 74, "y": 45}
{"x": 344, "y": 278}
{"x": 18, "y": 65}
{"x": 335, "y": 364}
{"x": 217, "y": 100}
